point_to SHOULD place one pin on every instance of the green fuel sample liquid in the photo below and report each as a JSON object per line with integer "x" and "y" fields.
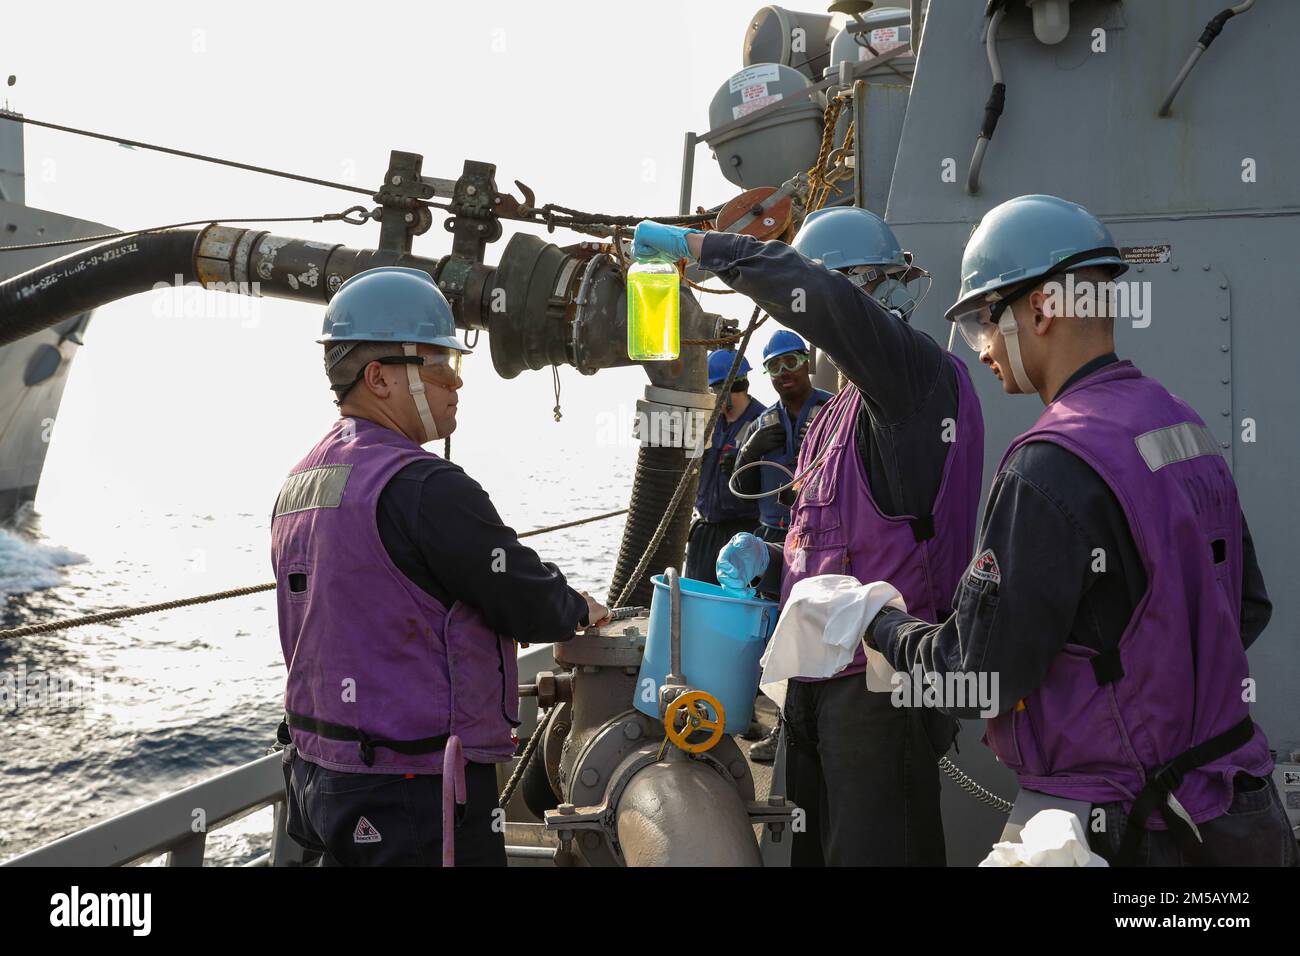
{"x": 653, "y": 312}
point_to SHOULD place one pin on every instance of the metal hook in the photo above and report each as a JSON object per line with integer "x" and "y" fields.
{"x": 361, "y": 212}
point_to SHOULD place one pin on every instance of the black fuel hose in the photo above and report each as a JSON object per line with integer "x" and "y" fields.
{"x": 92, "y": 277}
{"x": 658, "y": 470}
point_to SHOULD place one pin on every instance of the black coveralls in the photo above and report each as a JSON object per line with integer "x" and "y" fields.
{"x": 862, "y": 770}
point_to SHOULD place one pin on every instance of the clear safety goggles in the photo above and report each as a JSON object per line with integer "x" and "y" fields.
{"x": 977, "y": 320}
{"x": 443, "y": 368}
{"x": 785, "y": 363}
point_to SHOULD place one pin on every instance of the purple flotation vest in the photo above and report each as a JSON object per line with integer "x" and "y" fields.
{"x": 380, "y": 672}
{"x": 836, "y": 528}
{"x": 1101, "y": 726}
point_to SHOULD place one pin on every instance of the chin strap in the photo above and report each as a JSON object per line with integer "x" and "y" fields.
{"x": 1010, "y": 334}
{"x": 417, "y": 394}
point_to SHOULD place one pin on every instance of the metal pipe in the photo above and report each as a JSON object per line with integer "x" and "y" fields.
{"x": 860, "y": 144}
{"x": 993, "y": 108}
{"x": 1212, "y": 30}
{"x": 675, "y": 675}
{"x": 688, "y": 175}
{"x": 683, "y": 813}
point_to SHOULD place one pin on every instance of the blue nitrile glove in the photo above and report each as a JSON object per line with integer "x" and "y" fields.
{"x": 741, "y": 562}
{"x": 654, "y": 239}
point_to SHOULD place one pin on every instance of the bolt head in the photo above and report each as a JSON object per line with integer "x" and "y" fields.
{"x": 470, "y": 190}
{"x": 565, "y": 808}
{"x": 396, "y": 180}
{"x": 590, "y": 777}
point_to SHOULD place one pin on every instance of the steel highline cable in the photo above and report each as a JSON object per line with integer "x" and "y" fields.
{"x": 543, "y": 215}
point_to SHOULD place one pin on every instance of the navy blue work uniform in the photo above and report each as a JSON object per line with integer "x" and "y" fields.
{"x": 721, "y": 514}
{"x": 774, "y": 516}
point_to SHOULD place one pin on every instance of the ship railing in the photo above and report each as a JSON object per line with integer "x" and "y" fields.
{"x": 178, "y": 825}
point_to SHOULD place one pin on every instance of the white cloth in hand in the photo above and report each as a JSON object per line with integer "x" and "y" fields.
{"x": 818, "y": 631}
{"x": 1049, "y": 838}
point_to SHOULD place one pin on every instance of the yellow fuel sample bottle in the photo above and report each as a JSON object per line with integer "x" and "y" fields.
{"x": 653, "y": 311}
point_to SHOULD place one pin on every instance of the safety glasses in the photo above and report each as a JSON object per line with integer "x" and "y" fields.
{"x": 785, "y": 363}
{"x": 716, "y": 387}
{"x": 442, "y": 369}
{"x": 977, "y": 320}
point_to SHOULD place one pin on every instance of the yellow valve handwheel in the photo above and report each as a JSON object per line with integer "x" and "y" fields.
{"x": 695, "y": 718}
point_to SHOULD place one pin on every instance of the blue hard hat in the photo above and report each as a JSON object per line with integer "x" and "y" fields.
{"x": 1025, "y": 238}
{"x": 781, "y": 342}
{"x": 845, "y": 236}
{"x": 390, "y": 304}
{"x": 720, "y": 364}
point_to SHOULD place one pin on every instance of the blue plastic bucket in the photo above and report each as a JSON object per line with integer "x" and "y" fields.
{"x": 722, "y": 640}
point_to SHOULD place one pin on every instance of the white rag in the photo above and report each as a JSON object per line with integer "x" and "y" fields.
{"x": 1049, "y": 838}
{"x": 820, "y": 626}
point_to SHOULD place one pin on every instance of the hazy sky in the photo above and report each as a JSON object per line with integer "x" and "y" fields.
{"x": 586, "y": 105}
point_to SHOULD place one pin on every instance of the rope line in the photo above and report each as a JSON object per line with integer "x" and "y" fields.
{"x": 121, "y": 613}
{"x": 358, "y": 211}
{"x": 691, "y": 469}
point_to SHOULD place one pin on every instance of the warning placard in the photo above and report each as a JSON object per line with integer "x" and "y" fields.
{"x": 750, "y": 106}
{"x": 1149, "y": 253}
{"x": 763, "y": 73}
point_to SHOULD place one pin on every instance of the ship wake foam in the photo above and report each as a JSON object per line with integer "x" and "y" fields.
{"x": 27, "y": 565}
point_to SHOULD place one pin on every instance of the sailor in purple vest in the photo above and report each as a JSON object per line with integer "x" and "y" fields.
{"x": 774, "y": 439}
{"x": 895, "y": 495}
{"x": 1114, "y": 590}
{"x": 719, "y": 513}
{"x": 401, "y": 594}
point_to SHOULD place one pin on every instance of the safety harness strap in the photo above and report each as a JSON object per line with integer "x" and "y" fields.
{"x": 922, "y": 528}
{"x": 365, "y": 744}
{"x": 1163, "y": 781}
{"x": 1107, "y": 666}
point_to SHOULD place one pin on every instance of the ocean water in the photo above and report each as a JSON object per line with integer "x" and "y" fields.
{"x": 132, "y": 710}
{"x": 158, "y": 485}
